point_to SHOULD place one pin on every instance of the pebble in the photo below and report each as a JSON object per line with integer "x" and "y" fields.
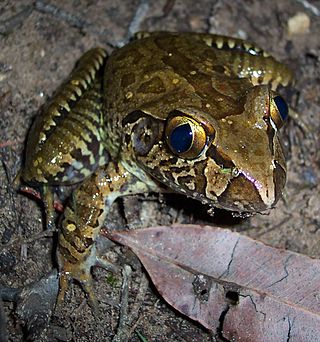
{"x": 299, "y": 24}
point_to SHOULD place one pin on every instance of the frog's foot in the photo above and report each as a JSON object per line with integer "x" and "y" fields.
{"x": 84, "y": 277}
{"x": 81, "y": 272}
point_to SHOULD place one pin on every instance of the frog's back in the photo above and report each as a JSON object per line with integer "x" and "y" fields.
{"x": 157, "y": 73}
{"x": 164, "y": 64}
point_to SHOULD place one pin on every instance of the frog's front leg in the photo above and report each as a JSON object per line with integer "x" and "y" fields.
{"x": 83, "y": 218}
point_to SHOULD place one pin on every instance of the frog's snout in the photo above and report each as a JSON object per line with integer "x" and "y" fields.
{"x": 245, "y": 193}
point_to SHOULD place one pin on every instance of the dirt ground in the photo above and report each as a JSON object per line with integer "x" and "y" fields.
{"x": 39, "y": 44}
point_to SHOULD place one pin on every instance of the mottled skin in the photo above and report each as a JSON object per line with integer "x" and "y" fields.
{"x": 66, "y": 143}
{"x": 221, "y": 87}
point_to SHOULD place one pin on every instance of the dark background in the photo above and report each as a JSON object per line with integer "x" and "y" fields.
{"x": 39, "y": 44}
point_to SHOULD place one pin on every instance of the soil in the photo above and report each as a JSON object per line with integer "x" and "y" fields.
{"x": 39, "y": 44}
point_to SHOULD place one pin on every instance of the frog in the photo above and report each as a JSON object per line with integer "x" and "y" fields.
{"x": 191, "y": 113}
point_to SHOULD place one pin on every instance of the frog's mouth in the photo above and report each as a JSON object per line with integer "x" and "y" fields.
{"x": 215, "y": 180}
{"x": 244, "y": 193}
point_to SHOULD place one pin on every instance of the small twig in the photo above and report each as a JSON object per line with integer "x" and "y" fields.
{"x": 6, "y": 26}
{"x": 136, "y": 21}
{"x": 3, "y": 321}
{"x": 143, "y": 286}
{"x": 167, "y": 8}
{"x": 138, "y": 17}
{"x": 20, "y": 240}
{"x": 10, "y": 191}
{"x": 56, "y": 12}
{"x": 6, "y": 96}
{"x": 313, "y": 9}
{"x": 125, "y": 326}
{"x": 122, "y": 329}
{"x": 273, "y": 227}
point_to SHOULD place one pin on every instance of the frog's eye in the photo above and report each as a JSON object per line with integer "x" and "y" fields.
{"x": 185, "y": 137}
{"x": 278, "y": 110}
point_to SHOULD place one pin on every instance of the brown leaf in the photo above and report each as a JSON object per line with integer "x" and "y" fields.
{"x": 237, "y": 287}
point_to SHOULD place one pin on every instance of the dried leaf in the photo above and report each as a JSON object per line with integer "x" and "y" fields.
{"x": 237, "y": 287}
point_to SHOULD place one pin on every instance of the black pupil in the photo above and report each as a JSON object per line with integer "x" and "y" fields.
{"x": 282, "y": 107}
{"x": 181, "y": 138}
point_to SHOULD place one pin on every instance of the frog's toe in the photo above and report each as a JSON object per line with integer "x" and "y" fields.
{"x": 87, "y": 287}
{"x": 64, "y": 281}
{"x": 48, "y": 200}
{"x": 81, "y": 275}
{"x": 81, "y": 272}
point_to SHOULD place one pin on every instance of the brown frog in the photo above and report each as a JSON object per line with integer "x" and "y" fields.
{"x": 191, "y": 113}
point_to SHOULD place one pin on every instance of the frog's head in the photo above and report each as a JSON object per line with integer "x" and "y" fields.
{"x": 232, "y": 161}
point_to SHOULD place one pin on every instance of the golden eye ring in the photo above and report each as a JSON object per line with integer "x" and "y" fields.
{"x": 185, "y": 137}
